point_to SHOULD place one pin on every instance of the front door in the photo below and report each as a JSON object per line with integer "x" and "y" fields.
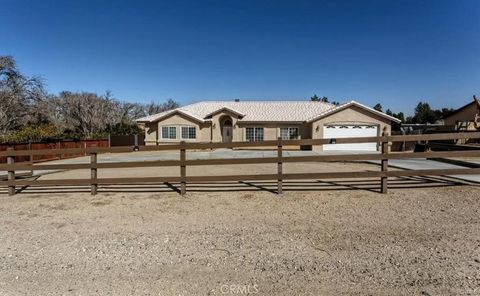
{"x": 227, "y": 133}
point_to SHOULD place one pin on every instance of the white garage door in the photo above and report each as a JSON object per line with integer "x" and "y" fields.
{"x": 350, "y": 131}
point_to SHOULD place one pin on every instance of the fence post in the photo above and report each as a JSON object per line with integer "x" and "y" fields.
{"x": 59, "y": 146}
{"x": 30, "y": 156}
{"x": 183, "y": 169}
{"x": 279, "y": 167}
{"x": 93, "y": 173}
{"x": 384, "y": 180}
{"x": 11, "y": 172}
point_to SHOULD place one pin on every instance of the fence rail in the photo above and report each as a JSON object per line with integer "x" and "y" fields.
{"x": 183, "y": 163}
{"x": 52, "y": 147}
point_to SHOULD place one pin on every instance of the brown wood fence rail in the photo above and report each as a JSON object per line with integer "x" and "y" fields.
{"x": 384, "y": 142}
{"x": 52, "y": 147}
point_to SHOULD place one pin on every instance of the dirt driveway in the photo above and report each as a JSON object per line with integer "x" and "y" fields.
{"x": 421, "y": 241}
{"x": 323, "y": 237}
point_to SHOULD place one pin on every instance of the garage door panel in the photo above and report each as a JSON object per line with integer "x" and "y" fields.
{"x": 350, "y": 131}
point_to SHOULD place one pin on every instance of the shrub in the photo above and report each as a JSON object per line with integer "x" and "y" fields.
{"x": 31, "y": 133}
{"x": 123, "y": 129}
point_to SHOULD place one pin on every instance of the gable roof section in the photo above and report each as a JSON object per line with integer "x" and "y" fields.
{"x": 262, "y": 111}
{"x": 162, "y": 115}
{"x": 228, "y": 109}
{"x": 475, "y": 101}
{"x": 349, "y": 104}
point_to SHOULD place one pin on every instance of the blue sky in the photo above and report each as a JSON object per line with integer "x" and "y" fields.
{"x": 393, "y": 52}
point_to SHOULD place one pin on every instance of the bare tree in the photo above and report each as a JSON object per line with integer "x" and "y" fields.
{"x": 154, "y": 108}
{"x": 18, "y": 95}
{"x": 128, "y": 112}
{"x": 87, "y": 113}
{"x": 23, "y": 101}
{"x": 50, "y": 111}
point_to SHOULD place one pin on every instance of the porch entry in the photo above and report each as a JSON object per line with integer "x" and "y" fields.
{"x": 227, "y": 130}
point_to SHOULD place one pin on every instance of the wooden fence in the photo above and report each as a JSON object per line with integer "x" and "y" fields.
{"x": 52, "y": 147}
{"x": 182, "y": 163}
{"x": 123, "y": 140}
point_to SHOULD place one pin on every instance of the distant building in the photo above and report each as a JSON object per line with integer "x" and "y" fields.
{"x": 227, "y": 121}
{"x": 466, "y": 118}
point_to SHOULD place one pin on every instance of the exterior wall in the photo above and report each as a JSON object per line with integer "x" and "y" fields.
{"x": 465, "y": 115}
{"x": 352, "y": 115}
{"x": 272, "y": 130}
{"x": 217, "y": 127}
{"x": 151, "y": 133}
{"x": 177, "y": 120}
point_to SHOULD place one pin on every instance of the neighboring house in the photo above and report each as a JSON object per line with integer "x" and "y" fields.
{"x": 465, "y": 118}
{"x": 227, "y": 121}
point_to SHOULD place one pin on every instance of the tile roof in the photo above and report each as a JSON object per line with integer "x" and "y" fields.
{"x": 260, "y": 111}
{"x": 253, "y": 110}
{"x": 352, "y": 103}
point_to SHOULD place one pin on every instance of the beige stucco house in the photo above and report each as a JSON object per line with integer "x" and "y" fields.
{"x": 227, "y": 121}
{"x": 466, "y": 118}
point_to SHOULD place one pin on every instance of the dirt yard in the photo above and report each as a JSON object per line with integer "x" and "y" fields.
{"x": 412, "y": 241}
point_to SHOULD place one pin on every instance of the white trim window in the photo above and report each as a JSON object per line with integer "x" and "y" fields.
{"x": 169, "y": 132}
{"x": 254, "y": 134}
{"x": 189, "y": 132}
{"x": 289, "y": 133}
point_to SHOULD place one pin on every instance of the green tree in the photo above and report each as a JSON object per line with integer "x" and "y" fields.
{"x": 378, "y": 107}
{"x": 444, "y": 112}
{"x": 425, "y": 114}
{"x": 32, "y": 133}
{"x": 399, "y": 116}
{"x": 316, "y": 98}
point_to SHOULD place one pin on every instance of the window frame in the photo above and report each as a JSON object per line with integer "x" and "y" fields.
{"x": 170, "y": 128}
{"x": 189, "y": 128}
{"x": 289, "y": 132}
{"x": 256, "y": 133}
